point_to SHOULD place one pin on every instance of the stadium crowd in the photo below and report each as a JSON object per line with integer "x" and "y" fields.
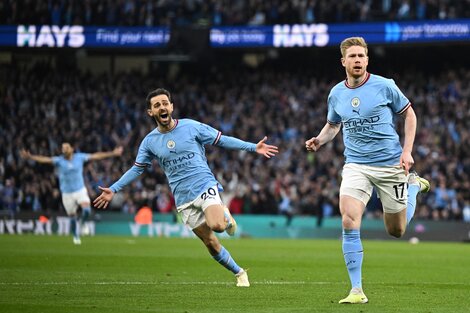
{"x": 99, "y": 112}
{"x": 239, "y": 12}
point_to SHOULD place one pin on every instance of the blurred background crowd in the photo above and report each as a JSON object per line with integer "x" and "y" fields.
{"x": 42, "y": 107}
{"x": 215, "y": 13}
{"x": 282, "y": 97}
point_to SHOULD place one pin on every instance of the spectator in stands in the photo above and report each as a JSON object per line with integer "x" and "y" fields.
{"x": 240, "y": 12}
{"x": 9, "y": 197}
{"x": 237, "y": 202}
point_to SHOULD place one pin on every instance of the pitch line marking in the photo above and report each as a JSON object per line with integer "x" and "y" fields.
{"x": 65, "y": 283}
{"x": 166, "y": 283}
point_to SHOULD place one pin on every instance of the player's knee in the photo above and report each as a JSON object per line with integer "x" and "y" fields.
{"x": 396, "y": 231}
{"x": 349, "y": 222}
{"x": 218, "y": 227}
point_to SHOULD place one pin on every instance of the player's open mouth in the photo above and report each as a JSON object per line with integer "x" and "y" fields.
{"x": 164, "y": 116}
{"x": 357, "y": 67}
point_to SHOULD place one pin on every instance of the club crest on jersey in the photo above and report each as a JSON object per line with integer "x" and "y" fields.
{"x": 170, "y": 144}
{"x": 355, "y": 102}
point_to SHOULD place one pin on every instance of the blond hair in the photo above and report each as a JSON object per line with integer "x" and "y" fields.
{"x": 352, "y": 41}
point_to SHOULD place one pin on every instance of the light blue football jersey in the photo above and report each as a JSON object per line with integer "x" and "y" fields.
{"x": 366, "y": 113}
{"x": 70, "y": 172}
{"x": 181, "y": 155}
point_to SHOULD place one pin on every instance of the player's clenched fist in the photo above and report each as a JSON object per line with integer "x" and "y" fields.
{"x": 313, "y": 144}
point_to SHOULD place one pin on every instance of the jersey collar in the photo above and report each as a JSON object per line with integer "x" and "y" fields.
{"x": 174, "y": 126}
{"x": 362, "y": 83}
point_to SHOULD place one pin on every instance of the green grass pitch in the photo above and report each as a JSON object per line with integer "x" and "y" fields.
{"x": 124, "y": 274}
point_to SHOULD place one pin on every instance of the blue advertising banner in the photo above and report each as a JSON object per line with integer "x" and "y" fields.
{"x": 54, "y": 36}
{"x": 297, "y": 35}
{"x": 320, "y": 35}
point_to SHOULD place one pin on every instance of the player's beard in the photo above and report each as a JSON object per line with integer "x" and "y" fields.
{"x": 161, "y": 122}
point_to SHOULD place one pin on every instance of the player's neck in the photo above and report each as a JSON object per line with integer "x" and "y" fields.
{"x": 356, "y": 81}
{"x": 166, "y": 128}
{"x": 68, "y": 157}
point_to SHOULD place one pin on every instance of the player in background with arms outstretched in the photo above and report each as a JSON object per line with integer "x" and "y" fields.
{"x": 69, "y": 168}
{"x": 178, "y": 146}
{"x": 364, "y": 104}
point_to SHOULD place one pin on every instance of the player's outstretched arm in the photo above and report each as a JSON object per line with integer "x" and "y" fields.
{"x": 265, "y": 149}
{"x": 25, "y": 154}
{"x": 103, "y": 155}
{"x": 102, "y": 201}
{"x": 107, "y": 194}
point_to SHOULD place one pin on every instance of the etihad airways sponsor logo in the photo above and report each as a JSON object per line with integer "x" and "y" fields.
{"x": 355, "y": 122}
{"x": 179, "y": 160}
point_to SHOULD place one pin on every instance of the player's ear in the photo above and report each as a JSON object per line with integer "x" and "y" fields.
{"x": 149, "y": 112}
{"x": 342, "y": 62}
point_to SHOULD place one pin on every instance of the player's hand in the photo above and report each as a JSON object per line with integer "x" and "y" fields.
{"x": 104, "y": 198}
{"x": 265, "y": 149}
{"x": 25, "y": 154}
{"x": 313, "y": 144}
{"x": 406, "y": 161}
{"x": 118, "y": 151}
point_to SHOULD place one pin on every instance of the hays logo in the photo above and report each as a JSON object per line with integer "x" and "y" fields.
{"x": 301, "y": 35}
{"x": 392, "y": 32}
{"x": 50, "y": 36}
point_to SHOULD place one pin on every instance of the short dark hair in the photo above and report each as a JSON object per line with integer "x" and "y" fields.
{"x": 157, "y": 92}
{"x": 70, "y": 141}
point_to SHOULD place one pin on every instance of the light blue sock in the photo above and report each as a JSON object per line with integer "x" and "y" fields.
{"x": 353, "y": 254}
{"x": 225, "y": 259}
{"x": 74, "y": 226}
{"x": 413, "y": 191}
{"x": 85, "y": 214}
